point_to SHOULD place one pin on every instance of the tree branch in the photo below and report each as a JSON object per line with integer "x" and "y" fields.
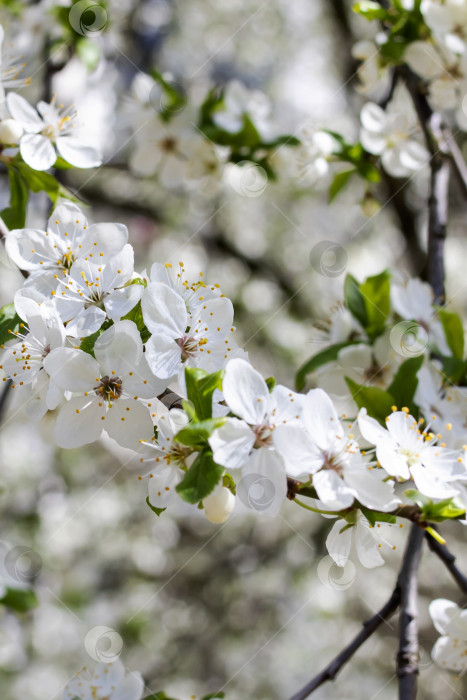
{"x": 449, "y": 560}
{"x": 403, "y": 594}
{"x": 407, "y": 657}
{"x": 369, "y": 627}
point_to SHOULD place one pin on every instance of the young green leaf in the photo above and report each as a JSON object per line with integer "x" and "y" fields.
{"x": 377, "y": 401}
{"x": 200, "y": 386}
{"x": 197, "y": 434}
{"x": 19, "y": 599}
{"x": 354, "y": 300}
{"x": 9, "y": 323}
{"x": 404, "y": 384}
{"x": 453, "y": 331}
{"x": 339, "y": 182}
{"x": 202, "y": 477}
{"x": 14, "y": 215}
{"x": 376, "y": 293}
{"x": 157, "y": 511}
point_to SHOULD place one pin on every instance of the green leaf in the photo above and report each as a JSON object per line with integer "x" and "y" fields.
{"x": 453, "y": 331}
{"x": 174, "y": 99}
{"x": 39, "y": 181}
{"x": 202, "y": 477}
{"x": 376, "y": 292}
{"x": 329, "y": 354}
{"x": 339, "y": 182}
{"x": 87, "y": 344}
{"x": 20, "y": 599}
{"x": 370, "y": 10}
{"x": 354, "y": 300}
{"x": 377, "y": 401}
{"x": 271, "y": 383}
{"x": 404, "y": 384}
{"x": 197, "y": 434}
{"x": 136, "y": 315}
{"x": 155, "y": 510}
{"x": 200, "y": 386}
{"x": 14, "y": 215}
{"x": 9, "y": 323}
{"x": 212, "y": 696}
{"x": 447, "y": 509}
{"x": 454, "y": 369}
{"x": 283, "y": 140}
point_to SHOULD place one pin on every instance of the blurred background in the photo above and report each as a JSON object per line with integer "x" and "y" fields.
{"x": 254, "y": 607}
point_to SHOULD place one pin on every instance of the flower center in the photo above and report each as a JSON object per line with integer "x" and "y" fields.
{"x": 168, "y": 144}
{"x": 189, "y": 346}
{"x": 110, "y": 387}
{"x": 67, "y": 261}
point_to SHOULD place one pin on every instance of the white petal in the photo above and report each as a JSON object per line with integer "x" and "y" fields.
{"x": 338, "y": 543}
{"x": 321, "y": 419}
{"x": 163, "y": 355}
{"x": 370, "y": 489}
{"x": 161, "y": 486}
{"x": 373, "y": 117}
{"x": 366, "y": 546}
{"x": 86, "y": 321}
{"x": 370, "y": 429}
{"x": 332, "y": 490}
{"x": 245, "y": 392}
{"x": 263, "y": 486}
{"x": 232, "y": 443}
{"x": 372, "y": 142}
{"x": 78, "y": 154}
{"x": 29, "y": 247}
{"x": 37, "y": 151}
{"x": 119, "y": 349}
{"x": 119, "y": 269}
{"x": 120, "y": 302}
{"x": 110, "y": 239}
{"x": 128, "y": 421}
{"x": 300, "y": 454}
{"x": 79, "y": 422}
{"x": 449, "y": 654}
{"x": 72, "y": 370}
{"x": 164, "y": 310}
{"x": 442, "y": 612}
{"x": 391, "y": 460}
{"x": 131, "y": 688}
{"x": 424, "y": 59}
{"x": 22, "y": 111}
{"x": 429, "y": 484}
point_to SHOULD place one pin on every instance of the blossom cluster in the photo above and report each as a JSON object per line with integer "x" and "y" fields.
{"x": 101, "y": 345}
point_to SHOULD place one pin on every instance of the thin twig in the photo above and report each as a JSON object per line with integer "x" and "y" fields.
{"x": 401, "y": 595}
{"x": 449, "y": 560}
{"x": 407, "y": 657}
{"x": 369, "y": 627}
{"x": 4, "y": 396}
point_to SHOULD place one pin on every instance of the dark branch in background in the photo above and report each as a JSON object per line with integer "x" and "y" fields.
{"x": 369, "y": 627}
{"x": 449, "y": 560}
{"x": 402, "y": 595}
{"x": 407, "y": 657}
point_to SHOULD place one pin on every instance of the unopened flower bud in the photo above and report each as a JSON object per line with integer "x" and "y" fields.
{"x": 10, "y": 132}
{"x": 219, "y": 504}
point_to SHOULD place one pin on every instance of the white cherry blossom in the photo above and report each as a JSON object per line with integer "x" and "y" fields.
{"x": 364, "y": 538}
{"x": 68, "y": 238}
{"x": 259, "y": 413}
{"x": 450, "y": 651}
{"x": 110, "y": 392}
{"x": 181, "y": 340}
{"x": 240, "y": 101}
{"x": 48, "y": 131}
{"x": 23, "y": 361}
{"x": 93, "y": 292}
{"x": 405, "y": 452}
{"x": 389, "y": 135}
{"x": 318, "y": 447}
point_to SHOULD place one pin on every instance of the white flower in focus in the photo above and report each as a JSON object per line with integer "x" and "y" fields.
{"x": 48, "y": 129}
{"x": 68, "y": 238}
{"x": 93, "y": 292}
{"x": 389, "y": 135}
{"x": 165, "y": 458}
{"x": 259, "y": 413}
{"x": 318, "y": 447}
{"x": 239, "y": 102}
{"x": 405, "y": 452}
{"x": 111, "y": 391}
{"x": 104, "y": 682}
{"x": 179, "y": 339}
{"x": 23, "y": 361}
{"x": 450, "y": 651}
{"x": 194, "y": 293}
{"x": 365, "y": 540}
